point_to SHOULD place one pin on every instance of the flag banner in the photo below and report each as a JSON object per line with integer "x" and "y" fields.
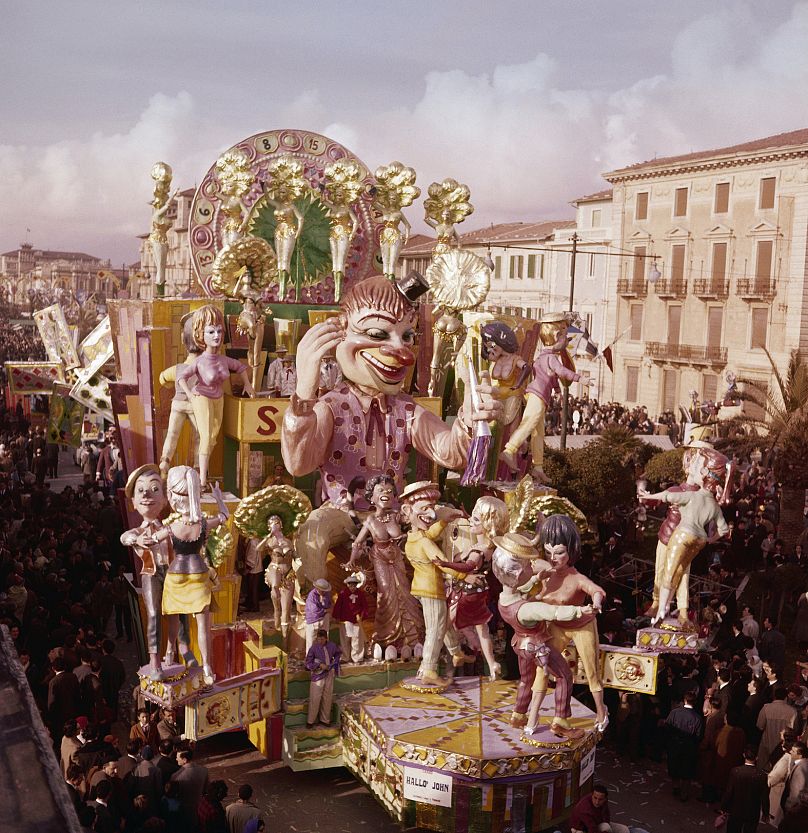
{"x": 65, "y": 418}
{"x": 27, "y": 378}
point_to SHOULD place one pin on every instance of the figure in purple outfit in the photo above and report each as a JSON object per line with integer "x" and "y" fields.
{"x": 511, "y": 563}
{"x": 553, "y": 362}
{"x": 318, "y": 610}
{"x": 322, "y": 660}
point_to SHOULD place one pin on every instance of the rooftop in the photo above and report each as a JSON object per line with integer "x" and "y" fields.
{"x": 518, "y": 232}
{"x": 50, "y": 254}
{"x": 791, "y": 139}
{"x": 598, "y": 196}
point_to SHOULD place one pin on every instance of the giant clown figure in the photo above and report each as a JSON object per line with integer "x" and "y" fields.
{"x": 366, "y": 426}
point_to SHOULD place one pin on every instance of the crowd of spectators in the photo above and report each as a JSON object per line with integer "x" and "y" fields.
{"x": 733, "y": 718}
{"x": 588, "y": 416}
{"x": 64, "y": 599}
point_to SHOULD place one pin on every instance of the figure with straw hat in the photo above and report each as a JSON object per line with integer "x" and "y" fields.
{"x": 511, "y": 564}
{"x": 427, "y": 523}
{"x": 146, "y": 490}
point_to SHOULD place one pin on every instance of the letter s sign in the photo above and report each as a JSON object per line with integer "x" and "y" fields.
{"x": 267, "y": 426}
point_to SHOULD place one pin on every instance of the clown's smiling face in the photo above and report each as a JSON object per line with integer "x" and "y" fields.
{"x": 377, "y": 350}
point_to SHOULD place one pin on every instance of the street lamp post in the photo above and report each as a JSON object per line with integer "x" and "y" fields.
{"x": 565, "y": 401}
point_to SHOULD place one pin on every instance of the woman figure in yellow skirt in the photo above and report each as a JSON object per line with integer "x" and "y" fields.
{"x": 190, "y": 579}
{"x": 699, "y": 511}
{"x": 211, "y": 370}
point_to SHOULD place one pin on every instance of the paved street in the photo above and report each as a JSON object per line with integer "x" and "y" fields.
{"x": 331, "y": 800}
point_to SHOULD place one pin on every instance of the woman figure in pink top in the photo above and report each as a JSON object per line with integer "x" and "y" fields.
{"x": 553, "y": 362}
{"x": 211, "y": 370}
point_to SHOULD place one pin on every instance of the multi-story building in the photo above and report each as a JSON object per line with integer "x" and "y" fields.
{"x": 179, "y": 271}
{"x": 27, "y": 271}
{"x": 531, "y": 271}
{"x": 727, "y": 230}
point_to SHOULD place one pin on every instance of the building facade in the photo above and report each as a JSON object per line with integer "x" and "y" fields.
{"x": 532, "y": 269}
{"x": 179, "y": 271}
{"x": 27, "y": 272}
{"x": 728, "y": 231}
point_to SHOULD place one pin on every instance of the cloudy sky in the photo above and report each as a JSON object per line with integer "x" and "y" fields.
{"x": 526, "y": 102}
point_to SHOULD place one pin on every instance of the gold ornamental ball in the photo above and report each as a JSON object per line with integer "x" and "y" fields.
{"x": 161, "y": 172}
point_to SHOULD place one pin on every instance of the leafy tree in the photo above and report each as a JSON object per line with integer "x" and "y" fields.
{"x": 784, "y": 409}
{"x": 665, "y": 467}
{"x": 594, "y": 478}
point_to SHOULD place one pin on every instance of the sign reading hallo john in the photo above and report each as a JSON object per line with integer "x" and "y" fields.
{"x": 427, "y": 787}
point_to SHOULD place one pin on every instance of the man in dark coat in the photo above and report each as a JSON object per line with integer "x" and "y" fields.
{"x": 684, "y": 731}
{"x": 64, "y": 698}
{"x": 112, "y": 675}
{"x": 745, "y": 796}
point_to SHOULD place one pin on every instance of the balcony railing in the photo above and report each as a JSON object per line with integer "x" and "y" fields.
{"x": 671, "y": 288}
{"x": 709, "y": 288}
{"x": 685, "y": 353}
{"x": 630, "y": 288}
{"x": 755, "y": 289}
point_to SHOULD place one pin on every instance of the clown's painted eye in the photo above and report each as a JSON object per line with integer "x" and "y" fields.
{"x": 408, "y": 337}
{"x": 379, "y": 335}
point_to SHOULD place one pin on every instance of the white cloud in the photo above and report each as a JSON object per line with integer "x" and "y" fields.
{"x": 524, "y": 140}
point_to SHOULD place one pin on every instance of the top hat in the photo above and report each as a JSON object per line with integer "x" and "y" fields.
{"x": 412, "y": 286}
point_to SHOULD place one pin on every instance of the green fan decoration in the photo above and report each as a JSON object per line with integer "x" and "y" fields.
{"x": 288, "y": 503}
{"x": 311, "y": 259}
{"x": 554, "y": 505}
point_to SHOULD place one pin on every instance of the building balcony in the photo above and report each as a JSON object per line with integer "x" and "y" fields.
{"x": 708, "y": 288}
{"x": 670, "y": 288}
{"x": 630, "y": 288}
{"x": 754, "y": 289}
{"x": 661, "y": 351}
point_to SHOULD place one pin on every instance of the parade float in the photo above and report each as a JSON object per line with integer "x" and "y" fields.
{"x": 370, "y": 445}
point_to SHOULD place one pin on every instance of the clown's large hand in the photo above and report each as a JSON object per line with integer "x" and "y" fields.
{"x": 489, "y": 408}
{"x": 318, "y": 342}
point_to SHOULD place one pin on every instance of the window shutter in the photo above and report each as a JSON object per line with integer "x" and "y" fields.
{"x": 763, "y": 271}
{"x": 760, "y": 322}
{"x": 721, "y": 198}
{"x": 641, "y": 206}
{"x": 715, "y": 323}
{"x": 674, "y": 323}
{"x": 498, "y": 266}
{"x": 678, "y": 264}
{"x": 709, "y": 387}
{"x": 632, "y": 379}
{"x": 680, "y": 203}
{"x": 719, "y": 263}
{"x": 669, "y": 390}
{"x": 636, "y": 322}
{"x": 639, "y": 264}
{"x": 767, "y": 188}
{"x": 531, "y": 266}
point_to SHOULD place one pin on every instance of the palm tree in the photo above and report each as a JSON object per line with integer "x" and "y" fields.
{"x": 784, "y": 418}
